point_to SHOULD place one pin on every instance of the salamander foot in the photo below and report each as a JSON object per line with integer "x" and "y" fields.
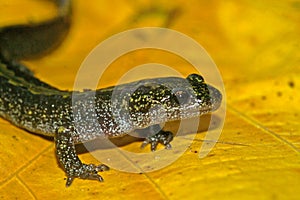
{"x": 85, "y": 172}
{"x": 163, "y": 137}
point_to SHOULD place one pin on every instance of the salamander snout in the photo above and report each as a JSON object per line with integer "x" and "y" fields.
{"x": 215, "y": 97}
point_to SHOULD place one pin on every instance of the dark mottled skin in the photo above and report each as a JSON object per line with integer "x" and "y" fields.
{"x": 75, "y": 117}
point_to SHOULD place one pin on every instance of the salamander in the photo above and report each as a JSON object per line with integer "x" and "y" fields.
{"x": 73, "y": 117}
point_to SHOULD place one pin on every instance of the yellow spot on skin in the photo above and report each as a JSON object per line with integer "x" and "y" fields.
{"x": 61, "y": 129}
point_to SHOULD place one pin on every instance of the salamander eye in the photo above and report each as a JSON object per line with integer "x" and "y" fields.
{"x": 182, "y": 96}
{"x": 195, "y": 78}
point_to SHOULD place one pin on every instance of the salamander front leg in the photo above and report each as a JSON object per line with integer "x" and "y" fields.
{"x": 157, "y": 136}
{"x": 68, "y": 159}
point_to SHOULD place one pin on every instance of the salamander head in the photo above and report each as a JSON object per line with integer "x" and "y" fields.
{"x": 208, "y": 97}
{"x": 159, "y": 100}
